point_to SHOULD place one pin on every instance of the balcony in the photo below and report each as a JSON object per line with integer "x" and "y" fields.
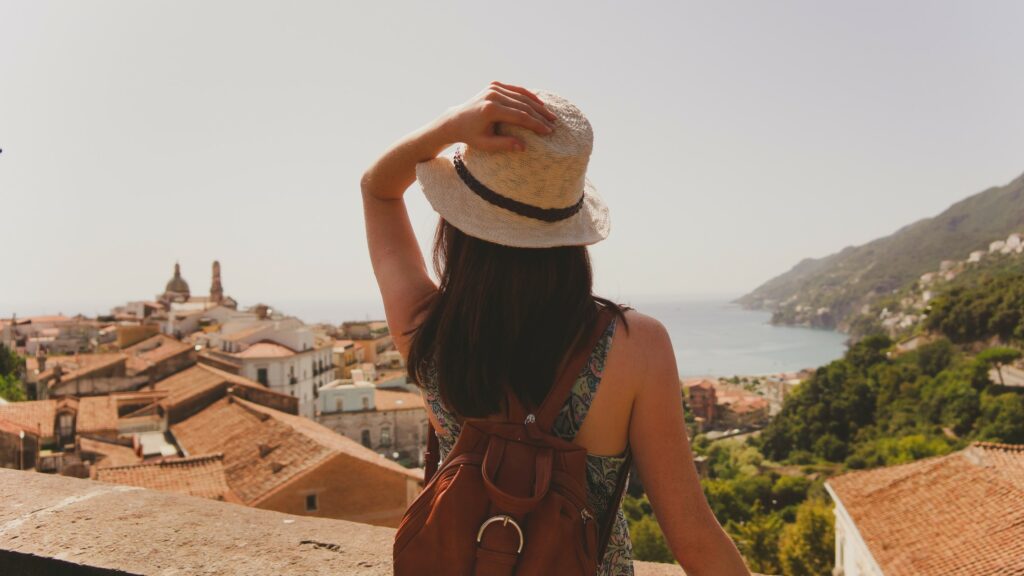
{"x": 55, "y": 524}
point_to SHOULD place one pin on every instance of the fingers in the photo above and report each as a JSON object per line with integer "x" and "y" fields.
{"x": 519, "y": 104}
{"x": 502, "y": 113}
{"x": 533, "y": 97}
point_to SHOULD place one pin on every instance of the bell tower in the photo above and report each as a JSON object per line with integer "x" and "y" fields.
{"x": 216, "y": 289}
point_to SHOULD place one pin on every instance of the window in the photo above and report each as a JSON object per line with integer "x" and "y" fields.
{"x": 339, "y": 405}
{"x": 366, "y": 402}
{"x": 366, "y": 438}
{"x": 310, "y": 502}
{"x": 67, "y": 425}
{"x": 261, "y": 376}
{"x": 385, "y": 436}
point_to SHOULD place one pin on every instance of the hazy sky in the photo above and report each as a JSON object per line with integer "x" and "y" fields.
{"x": 732, "y": 139}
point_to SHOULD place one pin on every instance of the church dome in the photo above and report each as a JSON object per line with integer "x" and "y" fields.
{"x": 177, "y": 287}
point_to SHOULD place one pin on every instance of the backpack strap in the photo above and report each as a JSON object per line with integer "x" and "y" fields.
{"x": 559, "y": 393}
{"x": 432, "y": 455}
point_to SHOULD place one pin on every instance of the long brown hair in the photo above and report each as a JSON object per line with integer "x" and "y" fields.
{"x": 504, "y": 318}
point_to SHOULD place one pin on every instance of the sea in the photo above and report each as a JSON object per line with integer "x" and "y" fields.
{"x": 711, "y": 336}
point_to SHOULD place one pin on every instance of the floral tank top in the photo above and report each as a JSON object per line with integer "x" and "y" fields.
{"x": 602, "y": 471}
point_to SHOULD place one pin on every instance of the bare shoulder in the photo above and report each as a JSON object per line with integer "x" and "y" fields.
{"x": 644, "y": 349}
{"x": 643, "y": 328}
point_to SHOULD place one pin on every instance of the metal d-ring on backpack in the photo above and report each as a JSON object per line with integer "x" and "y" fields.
{"x": 510, "y": 498}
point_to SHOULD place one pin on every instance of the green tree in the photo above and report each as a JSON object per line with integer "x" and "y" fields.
{"x": 10, "y": 362}
{"x": 935, "y": 357}
{"x": 725, "y": 501}
{"x": 649, "y": 542}
{"x": 11, "y": 389}
{"x": 998, "y": 357}
{"x": 636, "y": 508}
{"x": 790, "y": 490}
{"x": 806, "y": 547}
{"x": 758, "y": 541}
{"x": 1002, "y": 418}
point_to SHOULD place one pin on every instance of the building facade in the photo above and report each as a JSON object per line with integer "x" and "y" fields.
{"x": 389, "y": 422}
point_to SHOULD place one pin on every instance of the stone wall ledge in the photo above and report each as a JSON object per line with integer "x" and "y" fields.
{"x": 55, "y": 524}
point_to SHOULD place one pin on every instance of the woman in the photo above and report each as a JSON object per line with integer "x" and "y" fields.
{"x": 515, "y": 294}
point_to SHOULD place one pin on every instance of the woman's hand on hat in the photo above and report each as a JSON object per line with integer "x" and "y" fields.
{"x": 473, "y": 122}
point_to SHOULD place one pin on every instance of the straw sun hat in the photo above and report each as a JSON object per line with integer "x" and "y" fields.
{"x": 536, "y": 198}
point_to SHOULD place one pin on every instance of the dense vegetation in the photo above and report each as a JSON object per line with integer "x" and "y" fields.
{"x": 10, "y": 365}
{"x": 846, "y": 280}
{"x": 782, "y": 523}
{"x": 992, "y": 306}
{"x": 867, "y": 409}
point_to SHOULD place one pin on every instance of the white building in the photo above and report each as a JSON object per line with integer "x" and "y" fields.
{"x": 284, "y": 355}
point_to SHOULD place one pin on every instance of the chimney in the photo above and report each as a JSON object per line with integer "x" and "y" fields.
{"x": 41, "y": 359}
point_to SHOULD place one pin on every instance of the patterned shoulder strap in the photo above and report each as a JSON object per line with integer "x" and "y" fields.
{"x": 575, "y": 409}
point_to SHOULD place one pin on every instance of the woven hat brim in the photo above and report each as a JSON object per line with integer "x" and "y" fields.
{"x": 460, "y": 206}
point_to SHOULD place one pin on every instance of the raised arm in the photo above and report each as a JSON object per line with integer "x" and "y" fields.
{"x": 397, "y": 261}
{"x": 661, "y": 449}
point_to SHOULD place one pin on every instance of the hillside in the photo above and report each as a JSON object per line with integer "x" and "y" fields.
{"x": 827, "y": 292}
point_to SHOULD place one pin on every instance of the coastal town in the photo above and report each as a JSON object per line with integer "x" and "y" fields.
{"x": 189, "y": 393}
{"x": 197, "y": 396}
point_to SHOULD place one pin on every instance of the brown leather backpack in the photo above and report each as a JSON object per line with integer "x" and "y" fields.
{"x": 511, "y": 497}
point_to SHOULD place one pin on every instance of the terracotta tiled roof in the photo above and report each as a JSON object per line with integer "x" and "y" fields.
{"x": 44, "y": 319}
{"x": 329, "y": 438}
{"x": 196, "y": 476}
{"x": 266, "y": 350}
{"x": 35, "y": 415}
{"x": 77, "y": 365}
{"x": 260, "y": 453}
{"x": 741, "y": 402}
{"x": 108, "y": 453}
{"x": 698, "y": 383}
{"x": 9, "y": 427}
{"x": 95, "y": 414}
{"x": 157, "y": 348}
{"x": 962, "y": 513}
{"x": 198, "y": 380}
{"x": 264, "y": 448}
{"x": 393, "y": 400}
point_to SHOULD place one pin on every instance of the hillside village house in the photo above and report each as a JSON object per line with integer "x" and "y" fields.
{"x": 701, "y": 398}
{"x": 374, "y": 337}
{"x": 284, "y": 355}
{"x": 719, "y": 405}
{"x": 55, "y": 424}
{"x": 740, "y": 408}
{"x": 392, "y": 423}
{"x": 346, "y": 355}
{"x": 210, "y": 433}
{"x": 94, "y": 374}
{"x": 955, "y": 514}
{"x": 279, "y": 461}
{"x": 53, "y": 334}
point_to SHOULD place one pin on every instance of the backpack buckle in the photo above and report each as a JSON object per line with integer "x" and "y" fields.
{"x": 504, "y": 519}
